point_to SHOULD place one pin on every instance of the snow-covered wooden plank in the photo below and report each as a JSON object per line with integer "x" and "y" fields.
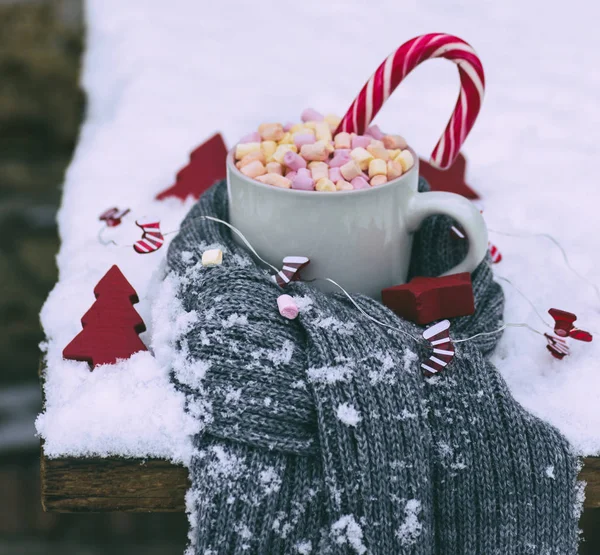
{"x": 71, "y": 485}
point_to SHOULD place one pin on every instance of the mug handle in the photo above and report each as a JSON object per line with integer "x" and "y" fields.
{"x": 460, "y": 209}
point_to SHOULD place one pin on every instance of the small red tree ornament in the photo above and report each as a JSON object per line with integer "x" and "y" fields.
{"x": 111, "y": 325}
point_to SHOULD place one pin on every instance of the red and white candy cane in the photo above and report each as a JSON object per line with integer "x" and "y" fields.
{"x": 152, "y": 238}
{"x": 438, "y": 336}
{"x": 399, "y": 64}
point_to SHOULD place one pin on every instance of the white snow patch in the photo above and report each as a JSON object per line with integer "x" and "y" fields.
{"x": 304, "y": 547}
{"x": 270, "y": 480}
{"x": 550, "y": 472}
{"x": 234, "y": 320}
{"x": 335, "y": 325}
{"x": 348, "y": 414}
{"x": 330, "y": 374}
{"x": 283, "y": 355}
{"x": 346, "y": 531}
{"x": 409, "y": 531}
{"x": 304, "y": 303}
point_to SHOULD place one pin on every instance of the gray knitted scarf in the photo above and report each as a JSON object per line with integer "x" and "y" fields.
{"x": 322, "y": 436}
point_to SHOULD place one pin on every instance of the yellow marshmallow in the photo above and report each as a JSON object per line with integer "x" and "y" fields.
{"x": 274, "y": 167}
{"x": 317, "y": 151}
{"x": 394, "y": 141}
{"x": 311, "y": 124}
{"x": 406, "y": 160}
{"x": 394, "y": 153}
{"x": 325, "y": 185}
{"x": 342, "y": 140}
{"x": 379, "y": 151}
{"x": 280, "y": 152}
{"x": 286, "y": 139}
{"x": 378, "y": 180}
{"x": 275, "y": 180}
{"x": 256, "y": 155}
{"x": 270, "y": 131}
{"x": 268, "y": 148}
{"x": 245, "y": 148}
{"x": 394, "y": 169}
{"x": 318, "y": 170}
{"x": 212, "y": 257}
{"x": 350, "y": 170}
{"x": 377, "y": 167}
{"x": 254, "y": 169}
{"x": 342, "y": 185}
{"x": 303, "y": 131}
{"x": 362, "y": 157}
{"x": 322, "y": 131}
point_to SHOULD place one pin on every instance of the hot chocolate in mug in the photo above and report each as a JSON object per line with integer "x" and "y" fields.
{"x": 360, "y": 239}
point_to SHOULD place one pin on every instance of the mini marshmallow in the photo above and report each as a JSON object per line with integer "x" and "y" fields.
{"x": 287, "y": 139}
{"x": 212, "y": 257}
{"x": 318, "y": 151}
{"x": 275, "y": 180}
{"x": 287, "y": 307}
{"x": 275, "y": 167}
{"x": 242, "y": 149}
{"x": 322, "y": 131}
{"x": 362, "y": 157}
{"x": 350, "y": 170}
{"x": 394, "y": 141}
{"x": 288, "y": 126}
{"x": 294, "y": 161}
{"x": 280, "y": 152}
{"x": 394, "y": 153}
{"x": 360, "y": 183}
{"x": 325, "y": 185}
{"x": 291, "y": 175}
{"x": 377, "y": 167}
{"x": 268, "y": 149}
{"x": 360, "y": 141}
{"x": 311, "y": 115}
{"x": 256, "y": 155}
{"x": 251, "y": 138}
{"x": 333, "y": 121}
{"x": 254, "y": 169}
{"x": 340, "y": 158}
{"x": 342, "y": 140}
{"x": 378, "y": 180}
{"x": 318, "y": 170}
{"x": 394, "y": 169}
{"x": 271, "y": 131}
{"x": 375, "y": 132}
{"x": 378, "y": 151}
{"x": 342, "y": 185}
{"x": 303, "y": 180}
{"x": 301, "y": 139}
{"x": 406, "y": 160}
{"x": 335, "y": 174}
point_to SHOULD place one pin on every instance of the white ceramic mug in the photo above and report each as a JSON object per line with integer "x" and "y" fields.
{"x": 361, "y": 239}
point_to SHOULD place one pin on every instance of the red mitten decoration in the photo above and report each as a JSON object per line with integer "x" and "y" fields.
{"x": 152, "y": 238}
{"x": 451, "y": 180}
{"x": 438, "y": 336}
{"x": 112, "y": 217}
{"x": 291, "y": 270}
{"x": 424, "y": 300}
{"x": 111, "y": 326}
{"x": 563, "y": 325}
{"x": 207, "y": 166}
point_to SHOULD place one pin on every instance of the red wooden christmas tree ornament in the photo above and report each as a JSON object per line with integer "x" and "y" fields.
{"x": 111, "y": 326}
{"x": 451, "y": 180}
{"x": 424, "y": 300}
{"x": 207, "y": 166}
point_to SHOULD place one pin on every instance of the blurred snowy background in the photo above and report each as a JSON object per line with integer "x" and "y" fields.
{"x": 161, "y": 77}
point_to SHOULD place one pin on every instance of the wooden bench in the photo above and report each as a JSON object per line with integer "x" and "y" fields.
{"x": 154, "y": 485}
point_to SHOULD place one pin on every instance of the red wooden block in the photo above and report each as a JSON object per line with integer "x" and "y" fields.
{"x": 424, "y": 300}
{"x": 451, "y": 180}
{"x": 111, "y": 325}
{"x": 207, "y": 166}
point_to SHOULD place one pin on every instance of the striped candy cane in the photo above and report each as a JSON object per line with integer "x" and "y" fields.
{"x": 152, "y": 238}
{"x": 438, "y": 336}
{"x": 399, "y": 64}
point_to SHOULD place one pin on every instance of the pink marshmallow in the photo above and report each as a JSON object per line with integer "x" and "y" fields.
{"x": 303, "y": 180}
{"x": 340, "y": 157}
{"x": 361, "y": 141}
{"x": 311, "y": 115}
{"x": 293, "y": 160}
{"x": 288, "y": 126}
{"x": 335, "y": 174}
{"x": 251, "y": 138}
{"x": 303, "y": 139}
{"x": 360, "y": 183}
{"x": 287, "y": 307}
{"x": 291, "y": 175}
{"x": 374, "y": 132}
